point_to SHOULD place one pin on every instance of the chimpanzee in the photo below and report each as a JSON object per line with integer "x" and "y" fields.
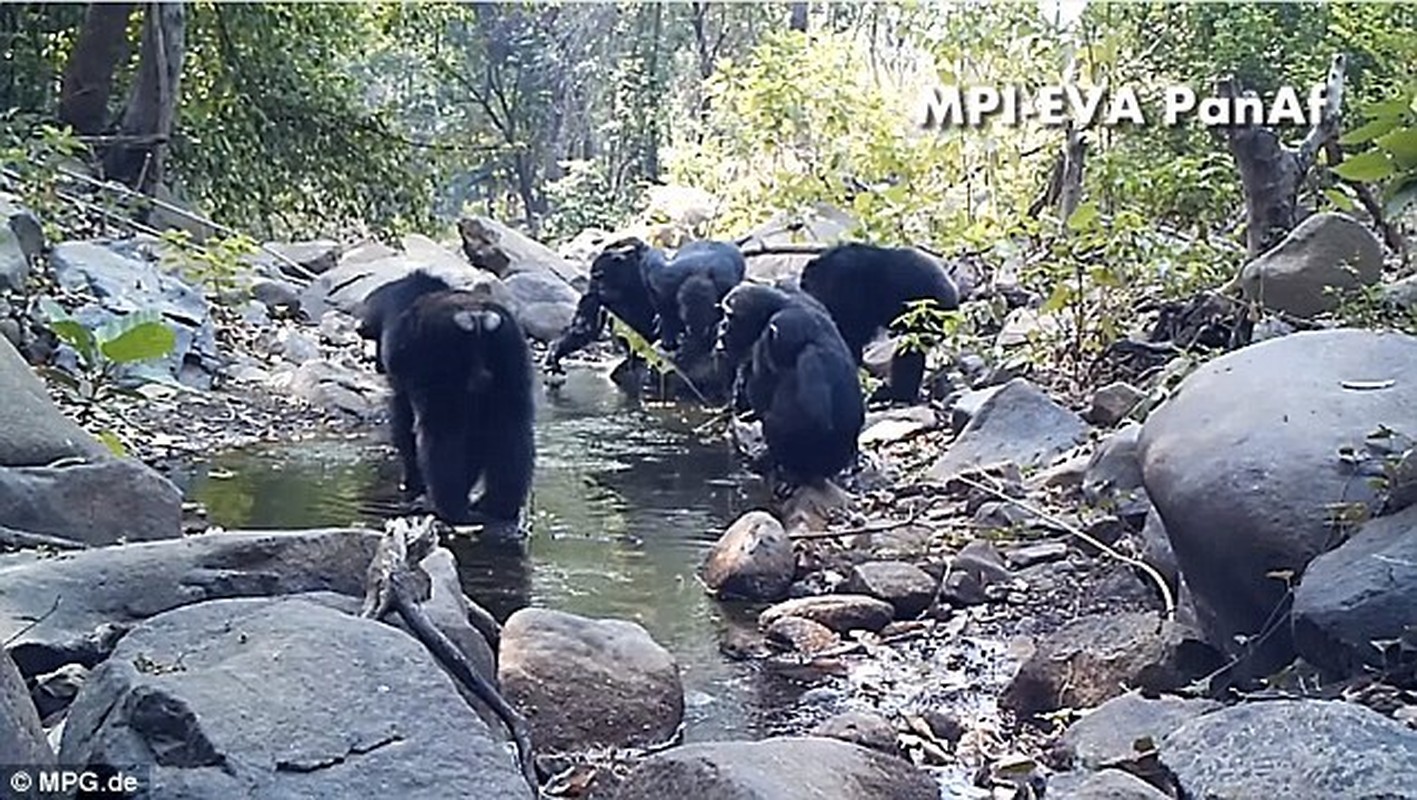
{"x": 618, "y": 285}
{"x": 686, "y": 294}
{"x": 462, "y": 406}
{"x": 796, "y": 373}
{"x": 866, "y": 288}
{"x": 388, "y": 300}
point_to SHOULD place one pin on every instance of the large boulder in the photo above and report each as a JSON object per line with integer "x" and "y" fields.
{"x": 21, "y": 736}
{"x": 502, "y": 251}
{"x": 1245, "y": 463}
{"x": 21, "y": 241}
{"x": 32, "y": 430}
{"x": 1325, "y": 251}
{"x": 315, "y": 257}
{"x": 1109, "y": 733}
{"x": 783, "y": 768}
{"x": 283, "y": 698}
{"x": 545, "y": 303}
{"x": 1358, "y": 595}
{"x": 822, "y": 226}
{"x": 345, "y": 287}
{"x": 100, "y": 503}
{"x": 753, "y": 560}
{"x": 1293, "y": 748}
{"x": 585, "y": 683}
{"x": 1019, "y": 424}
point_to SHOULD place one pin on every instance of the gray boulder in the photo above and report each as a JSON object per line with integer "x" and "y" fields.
{"x": 909, "y": 589}
{"x": 315, "y": 257}
{"x": 584, "y": 682}
{"x": 545, "y": 303}
{"x": 1358, "y": 595}
{"x": 860, "y": 727}
{"x": 21, "y": 240}
{"x": 1244, "y": 463}
{"x": 1295, "y": 749}
{"x": 100, "y": 503}
{"x": 21, "y": 736}
{"x": 753, "y": 560}
{"x": 345, "y": 287}
{"x": 283, "y": 698}
{"x": 32, "y": 430}
{"x": 1109, "y": 784}
{"x": 782, "y": 768}
{"x": 1109, "y": 733}
{"x": 1113, "y": 480}
{"x": 490, "y": 245}
{"x": 1325, "y": 251}
{"x": 1020, "y": 424}
{"x": 333, "y": 387}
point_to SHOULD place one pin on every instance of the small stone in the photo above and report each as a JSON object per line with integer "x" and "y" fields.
{"x": 840, "y": 612}
{"x": 1112, "y": 403}
{"x": 802, "y": 635}
{"x": 905, "y": 586}
{"x": 1029, "y": 555}
{"x": 859, "y": 727}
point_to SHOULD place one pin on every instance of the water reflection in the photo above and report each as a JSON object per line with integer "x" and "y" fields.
{"x": 625, "y": 503}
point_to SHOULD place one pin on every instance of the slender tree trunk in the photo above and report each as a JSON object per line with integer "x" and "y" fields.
{"x": 88, "y": 78}
{"x": 798, "y": 22}
{"x": 152, "y": 105}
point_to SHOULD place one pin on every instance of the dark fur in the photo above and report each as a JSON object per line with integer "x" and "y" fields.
{"x": 746, "y": 311}
{"x": 866, "y": 288}
{"x": 385, "y": 303}
{"x": 462, "y": 406}
{"x": 686, "y": 294}
{"x": 618, "y": 284}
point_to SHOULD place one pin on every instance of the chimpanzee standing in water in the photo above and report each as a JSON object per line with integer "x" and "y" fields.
{"x": 796, "y": 373}
{"x": 866, "y": 288}
{"x": 462, "y": 408}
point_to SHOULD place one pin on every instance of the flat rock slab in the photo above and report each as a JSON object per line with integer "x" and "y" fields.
{"x": 1293, "y": 748}
{"x": 905, "y": 586}
{"x": 784, "y": 768}
{"x": 101, "y": 503}
{"x": 1018, "y": 423}
{"x": 1108, "y": 733}
{"x": 584, "y": 682}
{"x": 284, "y": 698}
{"x": 840, "y": 612}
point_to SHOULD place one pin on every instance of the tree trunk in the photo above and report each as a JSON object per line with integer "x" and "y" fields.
{"x": 88, "y": 79}
{"x": 137, "y": 159}
{"x": 798, "y": 22}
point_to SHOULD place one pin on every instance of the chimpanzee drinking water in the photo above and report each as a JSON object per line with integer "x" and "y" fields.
{"x": 687, "y": 293}
{"x": 866, "y": 288}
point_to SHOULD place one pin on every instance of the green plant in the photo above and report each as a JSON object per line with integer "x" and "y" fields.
{"x": 31, "y": 154}
{"x": 216, "y": 264}
{"x": 1391, "y": 158}
{"x": 103, "y": 352}
{"x": 925, "y": 325}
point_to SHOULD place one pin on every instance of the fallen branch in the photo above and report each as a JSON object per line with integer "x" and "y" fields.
{"x": 396, "y": 583}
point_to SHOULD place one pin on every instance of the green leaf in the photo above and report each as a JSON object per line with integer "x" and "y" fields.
{"x": 1368, "y": 132}
{"x": 1340, "y": 200}
{"x": 1083, "y": 217}
{"x": 1387, "y": 109}
{"x": 1368, "y": 167}
{"x": 1402, "y": 145}
{"x": 139, "y": 336}
{"x": 68, "y": 329}
{"x": 113, "y": 443}
{"x": 1061, "y": 296}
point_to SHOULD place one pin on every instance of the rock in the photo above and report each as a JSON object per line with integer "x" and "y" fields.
{"x": 896, "y": 424}
{"x": 280, "y": 298}
{"x": 1359, "y": 594}
{"x": 1244, "y": 475}
{"x": 1112, "y": 403}
{"x": 14, "y": 263}
{"x": 1109, "y": 784}
{"x": 100, "y": 503}
{"x": 1020, "y": 424}
{"x": 1113, "y": 480}
{"x": 345, "y": 287}
{"x": 1326, "y": 250}
{"x": 878, "y": 356}
{"x": 823, "y": 224}
{"x": 1403, "y": 293}
{"x": 584, "y": 247}
{"x": 801, "y": 635}
{"x": 872, "y": 731}
{"x": 11, "y": 332}
{"x": 32, "y": 430}
{"x": 753, "y": 560}
{"x": 492, "y": 246}
{"x": 340, "y": 704}
{"x": 1156, "y": 549}
{"x": 586, "y": 682}
{"x": 976, "y": 567}
{"x": 905, "y": 586}
{"x": 1092, "y": 659}
{"x": 315, "y": 257}
{"x": 781, "y": 768}
{"x": 123, "y": 280}
{"x": 1107, "y": 735}
{"x": 545, "y": 303}
{"x": 1034, "y": 554}
{"x": 123, "y": 585}
{"x": 337, "y": 388}
{"x": 21, "y": 736}
{"x": 1293, "y": 748}
{"x": 297, "y": 347}
{"x": 964, "y": 407}
{"x": 1023, "y": 325}
{"x": 366, "y": 252}
{"x": 840, "y": 612}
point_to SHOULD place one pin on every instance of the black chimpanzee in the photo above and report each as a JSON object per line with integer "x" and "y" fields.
{"x": 796, "y": 373}
{"x": 385, "y": 302}
{"x": 686, "y": 294}
{"x": 866, "y": 288}
{"x": 618, "y": 285}
{"x": 462, "y": 406}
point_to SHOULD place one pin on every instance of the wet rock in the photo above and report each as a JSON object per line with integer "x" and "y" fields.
{"x": 823, "y": 581}
{"x": 1020, "y": 424}
{"x": 315, "y": 257}
{"x": 783, "y": 768}
{"x": 753, "y": 560}
{"x": 123, "y": 280}
{"x": 545, "y": 303}
{"x": 1108, "y": 734}
{"x": 33, "y": 432}
{"x": 869, "y": 730}
{"x": 100, "y": 503}
{"x": 840, "y": 612}
{"x": 1092, "y": 659}
{"x": 1113, "y": 480}
{"x": 1325, "y": 251}
{"x": 1244, "y": 475}
{"x": 333, "y": 387}
{"x": 342, "y": 704}
{"x": 801, "y": 635}
{"x": 501, "y": 250}
{"x": 589, "y": 682}
{"x": 1293, "y": 748}
{"x": 1112, "y": 403}
{"x": 21, "y": 736}
{"x": 1360, "y": 594}
{"x": 1109, "y": 784}
{"x": 945, "y": 725}
{"x": 905, "y": 586}
{"x": 1034, "y": 554}
{"x": 126, "y": 584}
